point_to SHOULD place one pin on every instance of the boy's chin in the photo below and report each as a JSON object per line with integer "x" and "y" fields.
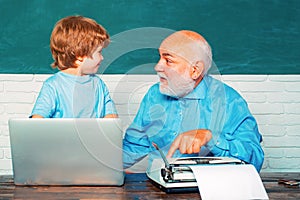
{"x": 91, "y": 72}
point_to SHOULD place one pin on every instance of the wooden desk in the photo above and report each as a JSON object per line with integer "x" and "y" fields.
{"x": 137, "y": 186}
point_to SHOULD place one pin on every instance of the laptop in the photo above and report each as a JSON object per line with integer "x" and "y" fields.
{"x": 65, "y": 151}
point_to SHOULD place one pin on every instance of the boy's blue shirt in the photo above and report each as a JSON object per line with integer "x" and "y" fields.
{"x": 211, "y": 105}
{"x": 69, "y": 96}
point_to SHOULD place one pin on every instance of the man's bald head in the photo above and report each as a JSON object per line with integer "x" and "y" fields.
{"x": 189, "y": 45}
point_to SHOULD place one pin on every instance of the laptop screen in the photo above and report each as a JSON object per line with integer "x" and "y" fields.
{"x": 64, "y": 151}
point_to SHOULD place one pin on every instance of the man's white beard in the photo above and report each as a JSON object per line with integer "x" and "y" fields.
{"x": 178, "y": 86}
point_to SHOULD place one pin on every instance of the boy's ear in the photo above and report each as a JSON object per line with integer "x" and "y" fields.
{"x": 197, "y": 70}
{"x": 79, "y": 60}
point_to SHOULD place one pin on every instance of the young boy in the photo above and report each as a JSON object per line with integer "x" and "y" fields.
{"x": 75, "y": 91}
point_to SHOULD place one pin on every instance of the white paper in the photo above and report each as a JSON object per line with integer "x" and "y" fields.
{"x": 232, "y": 182}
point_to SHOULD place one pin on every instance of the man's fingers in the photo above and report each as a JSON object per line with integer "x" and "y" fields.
{"x": 196, "y": 147}
{"x": 174, "y": 146}
{"x": 190, "y": 149}
{"x": 183, "y": 146}
{"x": 187, "y": 145}
{"x": 189, "y": 142}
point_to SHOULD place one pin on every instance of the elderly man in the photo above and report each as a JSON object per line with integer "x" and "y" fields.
{"x": 189, "y": 113}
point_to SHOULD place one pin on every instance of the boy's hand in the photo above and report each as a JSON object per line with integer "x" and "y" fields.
{"x": 111, "y": 116}
{"x": 37, "y": 116}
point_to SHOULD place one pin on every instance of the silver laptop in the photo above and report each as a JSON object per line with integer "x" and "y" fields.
{"x": 67, "y": 151}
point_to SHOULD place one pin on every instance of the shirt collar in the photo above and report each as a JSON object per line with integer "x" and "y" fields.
{"x": 77, "y": 79}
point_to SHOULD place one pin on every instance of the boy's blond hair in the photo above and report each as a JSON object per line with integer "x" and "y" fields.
{"x": 73, "y": 37}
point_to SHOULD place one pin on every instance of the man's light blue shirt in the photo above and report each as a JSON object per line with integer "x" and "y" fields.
{"x": 69, "y": 96}
{"x": 211, "y": 105}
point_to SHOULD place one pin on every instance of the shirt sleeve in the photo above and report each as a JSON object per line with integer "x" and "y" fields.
{"x": 136, "y": 143}
{"x": 240, "y": 137}
{"x": 109, "y": 105}
{"x": 45, "y": 102}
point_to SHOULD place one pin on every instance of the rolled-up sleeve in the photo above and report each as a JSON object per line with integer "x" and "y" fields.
{"x": 45, "y": 102}
{"x": 109, "y": 105}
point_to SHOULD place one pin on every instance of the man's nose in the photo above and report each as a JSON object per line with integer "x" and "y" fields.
{"x": 159, "y": 67}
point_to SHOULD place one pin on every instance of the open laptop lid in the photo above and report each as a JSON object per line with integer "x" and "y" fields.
{"x": 67, "y": 151}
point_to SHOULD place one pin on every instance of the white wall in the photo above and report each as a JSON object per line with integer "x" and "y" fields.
{"x": 273, "y": 99}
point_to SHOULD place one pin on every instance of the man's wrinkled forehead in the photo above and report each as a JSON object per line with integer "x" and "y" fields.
{"x": 181, "y": 45}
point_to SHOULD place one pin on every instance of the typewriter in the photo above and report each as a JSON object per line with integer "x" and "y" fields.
{"x": 174, "y": 175}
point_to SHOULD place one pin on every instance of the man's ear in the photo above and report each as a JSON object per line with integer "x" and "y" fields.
{"x": 197, "y": 70}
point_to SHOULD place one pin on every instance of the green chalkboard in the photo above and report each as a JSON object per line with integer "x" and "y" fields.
{"x": 247, "y": 36}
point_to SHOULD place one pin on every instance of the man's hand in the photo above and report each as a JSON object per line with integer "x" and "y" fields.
{"x": 190, "y": 142}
